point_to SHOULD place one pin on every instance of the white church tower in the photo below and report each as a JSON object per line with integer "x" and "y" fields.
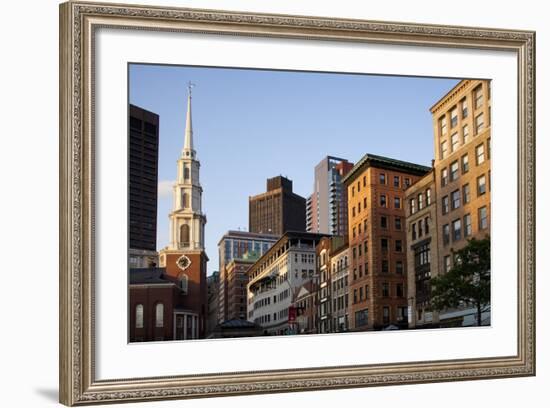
{"x": 187, "y": 219}
{"x": 185, "y": 259}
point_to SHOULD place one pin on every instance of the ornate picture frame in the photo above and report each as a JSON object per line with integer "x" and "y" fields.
{"x": 78, "y": 24}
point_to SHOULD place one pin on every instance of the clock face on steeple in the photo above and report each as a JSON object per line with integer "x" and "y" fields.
{"x": 183, "y": 262}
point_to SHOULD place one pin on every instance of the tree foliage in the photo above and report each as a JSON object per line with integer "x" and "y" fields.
{"x": 468, "y": 283}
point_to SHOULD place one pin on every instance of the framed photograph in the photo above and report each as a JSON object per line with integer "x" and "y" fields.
{"x": 256, "y": 203}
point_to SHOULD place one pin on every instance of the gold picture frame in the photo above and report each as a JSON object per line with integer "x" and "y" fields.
{"x": 78, "y": 22}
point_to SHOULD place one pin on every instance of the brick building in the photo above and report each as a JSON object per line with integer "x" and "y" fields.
{"x": 377, "y": 239}
{"x": 461, "y": 180}
{"x": 156, "y": 309}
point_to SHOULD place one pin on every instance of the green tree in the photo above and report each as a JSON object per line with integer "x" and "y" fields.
{"x": 469, "y": 280}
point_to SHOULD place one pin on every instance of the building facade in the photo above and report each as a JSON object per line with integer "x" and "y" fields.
{"x": 142, "y": 190}
{"x": 235, "y": 245}
{"x": 277, "y": 210}
{"x": 377, "y": 240}
{"x": 236, "y": 279}
{"x": 422, "y": 250}
{"x": 156, "y": 311}
{"x": 303, "y": 315}
{"x": 213, "y": 301}
{"x": 276, "y": 277}
{"x": 184, "y": 259}
{"x": 339, "y": 275}
{"x": 326, "y": 209}
{"x": 462, "y": 139}
{"x": 327, "y": 298}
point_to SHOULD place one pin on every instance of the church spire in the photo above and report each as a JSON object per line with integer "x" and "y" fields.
{"x": 188, "y": 142}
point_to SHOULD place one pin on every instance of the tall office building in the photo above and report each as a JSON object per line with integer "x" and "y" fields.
{"x": 327, "y": 210}
{"x": 377, "y": 240}
{"x": 143, "y": 177}
{"x": 237, "y": 245}
{"x": 277, "y": 210}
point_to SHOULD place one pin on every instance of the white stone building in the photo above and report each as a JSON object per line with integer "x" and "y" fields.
{"x": 274, "y": 280}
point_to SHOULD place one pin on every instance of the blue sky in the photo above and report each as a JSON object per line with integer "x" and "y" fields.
{"x": 250, "y": 125}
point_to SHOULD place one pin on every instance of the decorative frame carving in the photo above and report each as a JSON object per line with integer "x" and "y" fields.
{"x": 77, "y": 24}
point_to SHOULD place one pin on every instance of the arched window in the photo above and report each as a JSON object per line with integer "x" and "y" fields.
{"x": 184, "y": 283}
{"x": 159, "y": 315}
{"x": 185, "y": 172}
{"x": 139, "y": 316}
{"x": 184, "y": 234}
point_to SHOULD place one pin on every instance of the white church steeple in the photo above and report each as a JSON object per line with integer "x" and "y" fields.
{"x": 188, "y": 142}
{"x": 186, "y": 219}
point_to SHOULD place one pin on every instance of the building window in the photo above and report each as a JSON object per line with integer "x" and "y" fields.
{"x": 139, "y": 316}
{"x": 454, "y": 141}
{"x": 354, "y": 232}
{"x": 399, "y": 267}
{"x": 184, "y": 199}
{"x": 466, "y": 193}
{"x": 358, "y": 186}
{"x": 185, "y": 172}
{"x": 384, "y": 222}
{"x": 465, "y": 134}
{"x": 384, "y": 243}
{"x": 480, "y": 154}
{"x": 443, "y": 125}
{"x": 428, "y": 196}
{"x": 386, "y": 315}
{"x": 412, "y": 205}
{"x": 385, "y": 289}
{"x": 364, "y": 181}
{"x": 382, "y": 178}
{"x": 454, "y": 170}
{"x": 407, "y": 182}
{"x": 482, "y": 216}
{"x": 399, "y": 290}
{"x": 464, "y": 107}
{"x": 454, "y": 117}
{"x": 422, "y": 255}
{"x": 362, "y": 318}
{"x": 478, "y": 97}
{"x": 443, "y": 150}
{"x": 455, "y": 199}
{"x": 420, "y": 201}
{"x": 446, "y": 234}
{"x": 354, "y": 296}
{"x": 444, "y": 177}
{"x": 396, "y": 181}
{"x": 398, "y": 245}
{"x": 365, "y": 202}
{"x": 385, "y": 266}
{"x": 445, "y": 205}
{"x": 481, "y": 185}
{"x": 352, "y": 191}
{"x": 479, "y": 123}
{"x": 397, "y": 223}
{"x": 382, "y": 200}
{"x": 489, "y": 148}
{"x": 159, "y": 315}
{"x": 414, "y": 231}
{"x": 465, "y": 164}
{"x": 426, "y": 226}
{"x": 467, "y": 225}
{"x": 358, "y": 207}
{"x": 184, "y": 234}
{"x": 457, "y": 230}
{"x": 397, "y": 202}
{"x": 447, "y": 263}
